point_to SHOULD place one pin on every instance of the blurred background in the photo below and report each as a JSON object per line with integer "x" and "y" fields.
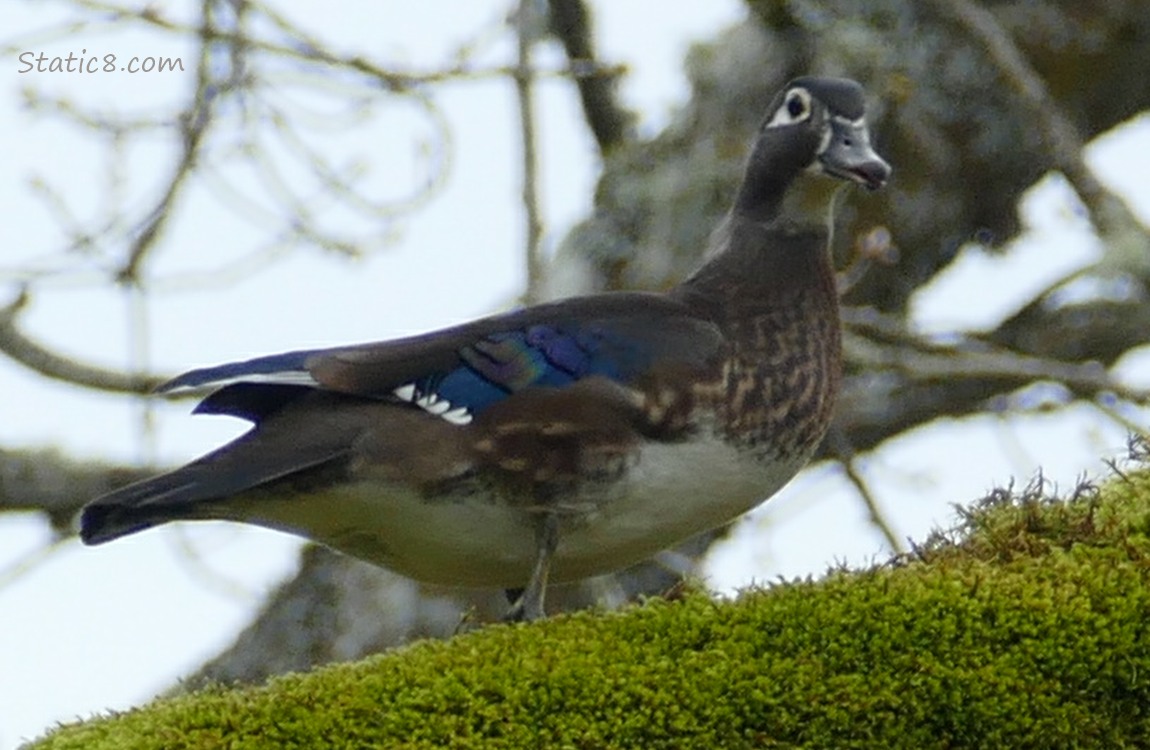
{"x": 209, "y": 181}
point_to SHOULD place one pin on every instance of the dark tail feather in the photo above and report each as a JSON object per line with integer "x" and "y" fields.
{"x": 300, "y": 434}
{"x": 200, "y": 489}
{"x": 139, "y": 506}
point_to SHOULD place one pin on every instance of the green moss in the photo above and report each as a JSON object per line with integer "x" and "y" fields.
{"x": 1026, "y": 626}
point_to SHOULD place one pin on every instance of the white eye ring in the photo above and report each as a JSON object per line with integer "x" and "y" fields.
{"x": 796, "y": 107}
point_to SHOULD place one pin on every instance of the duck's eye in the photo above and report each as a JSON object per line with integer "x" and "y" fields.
{"x": 796, "y": 108}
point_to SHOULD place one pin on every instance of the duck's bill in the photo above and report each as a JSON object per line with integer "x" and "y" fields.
{"x": 848, "y": 155}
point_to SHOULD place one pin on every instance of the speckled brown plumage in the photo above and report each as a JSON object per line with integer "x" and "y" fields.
{"x": 775, "y": 391}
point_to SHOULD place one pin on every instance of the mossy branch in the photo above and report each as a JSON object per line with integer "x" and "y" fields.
{"x": 1022, "y": 627}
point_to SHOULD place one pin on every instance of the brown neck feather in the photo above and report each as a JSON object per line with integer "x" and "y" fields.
{"x": 759, "y": 268}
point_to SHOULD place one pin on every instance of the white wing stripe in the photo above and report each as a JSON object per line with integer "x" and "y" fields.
{"x": 287, "y": 377}
{"x": 433, "y": 404}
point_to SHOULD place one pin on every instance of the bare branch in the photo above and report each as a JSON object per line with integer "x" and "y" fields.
{"x": 876, "y": 341}
{"x": 393, "y": 79}
{"x": 926, "y": 362}
{"x": 1135, "y": 429}
{"x": 1101, "y": 329}
{"x": 28, "y": 563}
{"x": 43, "y": 481}
{"x": 524, "y": 81}
{"x": 840, "y": 446}
{"x": 897, "y": 380}
{"x": 34, "y": 356}
{"x": 195, "y": 123}
{"x": 610, "y": 123}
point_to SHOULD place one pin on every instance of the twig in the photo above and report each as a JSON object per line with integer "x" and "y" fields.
{"x": 396, "y": 81}
{"x": 32, "y": 355}
{"x": 524, "y": 80}
{"x": 195, "y": 123}
{"x": 138, "y": 331}
{"x": 199, "y": 567}
{"x": 842, "y": 449}
{"x": 924, "y": 365}
{"x": 874, "y": 341}
{"x": 28, "y": 563}
{"x": 869, "y": 247}
{"x": 1133, "y": 427}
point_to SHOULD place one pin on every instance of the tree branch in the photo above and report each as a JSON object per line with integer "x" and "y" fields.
{"x": 44, "y": 481}
{"x": 524, "y": 82}
{"x": 897, "y": 380}
{"x": 309, "y": 49}
{"x": 1109, "y": 213}
{"x": 36, "y": 357}
{"x": 194, "y": 123}
{"x": 838, "y": 445}
{"x": 610, "y": 123}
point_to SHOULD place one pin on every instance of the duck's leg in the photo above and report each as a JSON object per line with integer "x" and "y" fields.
{"x": 528, "y": 604}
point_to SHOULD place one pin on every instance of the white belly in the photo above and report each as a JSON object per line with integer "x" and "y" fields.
{"x": 478, "y": 541}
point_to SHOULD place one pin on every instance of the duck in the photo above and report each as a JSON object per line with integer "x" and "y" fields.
{"x": 560, "y": 441}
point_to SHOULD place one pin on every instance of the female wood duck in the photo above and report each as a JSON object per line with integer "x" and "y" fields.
{"x": 561, "y": 441}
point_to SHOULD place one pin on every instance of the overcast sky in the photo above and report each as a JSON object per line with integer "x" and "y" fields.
{"x": 89, "y": 629}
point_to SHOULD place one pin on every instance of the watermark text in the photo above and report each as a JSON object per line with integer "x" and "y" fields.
{"x": 41, "y": 62}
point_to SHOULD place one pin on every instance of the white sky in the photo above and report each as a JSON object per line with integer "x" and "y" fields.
{"x": 89, "y": 629}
